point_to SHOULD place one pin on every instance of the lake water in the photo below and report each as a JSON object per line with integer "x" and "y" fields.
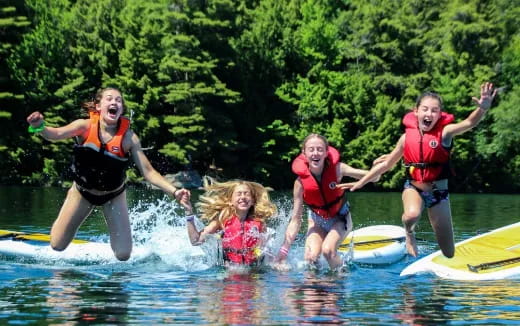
{"x": 178, "y": 285}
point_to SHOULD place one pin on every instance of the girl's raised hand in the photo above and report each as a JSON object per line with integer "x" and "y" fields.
{"x": 185, "y": 201}
{"x": 35, "y": 119}
{"x": 380, "y": 159}
{"x": 346, "y": 186}
{"x": 352, "y": 186}
{"x": 487, "y": 94}
{"x": 180, "y": 193}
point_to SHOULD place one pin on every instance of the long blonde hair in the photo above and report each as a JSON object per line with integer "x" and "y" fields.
{"x": 215, "y": 203}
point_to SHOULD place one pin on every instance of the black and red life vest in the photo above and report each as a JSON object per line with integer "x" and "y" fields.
{"x": 97, "y": 165}
{"x": 425, "y": 158}
{"x": 322, "y": 197}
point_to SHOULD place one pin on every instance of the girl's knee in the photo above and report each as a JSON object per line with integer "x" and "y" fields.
{"x": 410, "y": 217}
{"x": 448, "y": 252}
{"x": 447, "y": 248}
{"x": 329, "y": 252}
{"x": 57, "y": 243}
{"x": 58, "y": 246}
{"x": 123, "y": 255}
{"x": 311, "y": 255}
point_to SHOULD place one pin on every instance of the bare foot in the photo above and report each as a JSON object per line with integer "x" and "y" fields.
{"x": 411, "y": 245}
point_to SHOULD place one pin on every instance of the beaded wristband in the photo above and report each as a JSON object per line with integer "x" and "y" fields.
{"x": 190, "y": 218}
{"x": 34, "y": 130}
{"x": 284, "y": 251}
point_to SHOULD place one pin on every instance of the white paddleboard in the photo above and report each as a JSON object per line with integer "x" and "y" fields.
{"x": 489, "y": 256}
{"x": 91, "y": 253}
{"x": 36, "y": 247}
{"x": 376, "y": 244}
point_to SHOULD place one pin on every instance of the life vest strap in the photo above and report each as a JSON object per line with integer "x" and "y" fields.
{"x": 422, "y": 165}
{"x": 241, "y": 251}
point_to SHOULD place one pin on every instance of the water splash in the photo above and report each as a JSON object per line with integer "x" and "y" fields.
{"x": 160, "y": 241}
{"x": 160, "y": 227}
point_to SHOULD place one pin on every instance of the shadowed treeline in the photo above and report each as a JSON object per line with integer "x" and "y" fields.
{"x": 231, "y": 87}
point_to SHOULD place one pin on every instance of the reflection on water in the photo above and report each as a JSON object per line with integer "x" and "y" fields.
{"x": 441, "y": 302}
{"x": 236, "y": 301}
{"x": 74, "y": 299}
{"x": 179, "y": 285}
{"x": 315, "y": 300}
{"x": 66, "y": 297}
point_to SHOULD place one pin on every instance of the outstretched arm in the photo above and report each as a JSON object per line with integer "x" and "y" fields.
{"x": 379, "y": 168}
{"x": 147, "y": 170}
{"x": 75, "y": 128}
{"x": 487, "y": 94}
{"x": 296, "y": 219}
{"x": 196, "y": 237}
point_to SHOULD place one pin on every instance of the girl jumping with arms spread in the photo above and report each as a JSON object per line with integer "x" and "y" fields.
{"x": 101, "y": 157}
{"x": 319, "y": 170}
{"x": 426, "y": 146}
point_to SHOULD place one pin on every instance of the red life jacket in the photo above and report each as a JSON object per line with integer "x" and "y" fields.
{"x": 424, "y": 156}
{"x": 240, "y": 240}
{"x": 101, "y": 166}
{"x": 322, "y": 197}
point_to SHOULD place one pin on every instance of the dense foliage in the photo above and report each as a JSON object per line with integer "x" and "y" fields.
{"x": 233, "y": 86}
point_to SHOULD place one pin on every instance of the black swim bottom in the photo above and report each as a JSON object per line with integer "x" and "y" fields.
{"x": 432, "y": 198}
{"x": 99, "y": 200}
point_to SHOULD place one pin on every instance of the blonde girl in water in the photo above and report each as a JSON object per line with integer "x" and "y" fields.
{"x": 105, "y": 144}
{"x": 239, "y": 210}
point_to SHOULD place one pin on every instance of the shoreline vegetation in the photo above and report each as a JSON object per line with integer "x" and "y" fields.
{"x": 230, "y": 88}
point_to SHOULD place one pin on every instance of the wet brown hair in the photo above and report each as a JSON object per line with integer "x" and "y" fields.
{"x": 90, "y": 106}
{"x": 428, "y": 94}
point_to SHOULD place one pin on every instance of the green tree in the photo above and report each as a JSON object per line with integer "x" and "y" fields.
{"x": 13, "y": 23}
{"x": 38, "y": 65}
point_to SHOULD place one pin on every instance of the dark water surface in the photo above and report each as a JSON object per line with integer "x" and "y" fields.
{"x": 176, "y": 286}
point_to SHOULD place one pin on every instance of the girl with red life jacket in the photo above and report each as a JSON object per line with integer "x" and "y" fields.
{"x": 239, "y": 209}
{"x": 105, "y": 144}
{"x": 319, "y": 170}
{"x": 425, "y": 147}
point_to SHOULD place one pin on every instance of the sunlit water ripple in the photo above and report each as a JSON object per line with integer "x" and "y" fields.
{"x": 175, "y": 283}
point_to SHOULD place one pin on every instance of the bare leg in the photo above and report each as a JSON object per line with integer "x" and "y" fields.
{"x": 313, "y": 242}
{"x": 333, "y": 240}
{"x": 412, "y": 206}
{"x": 73, "y": 212}
{"x": 116, "y": 216}
{"x": 440, "y": 219}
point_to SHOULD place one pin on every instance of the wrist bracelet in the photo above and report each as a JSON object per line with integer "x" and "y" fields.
{"x": 284, "y": 251}
{"x": 34, "y": 130}
{"x": 190, "y": 218}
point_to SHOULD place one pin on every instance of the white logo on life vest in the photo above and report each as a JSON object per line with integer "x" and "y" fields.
{"x": 332, "y": 185}
{"x": 115, "y": 149}
{"x": 434, "y": 143}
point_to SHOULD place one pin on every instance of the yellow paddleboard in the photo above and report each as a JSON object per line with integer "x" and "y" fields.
{"x": 14, "y": 235}
{"x": 489, "y": 256}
